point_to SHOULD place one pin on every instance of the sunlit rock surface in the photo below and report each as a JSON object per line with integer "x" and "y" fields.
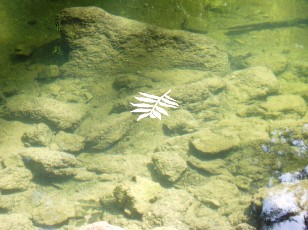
{"x": 53, "y": 211}
{"x": 103, "y": 135}
{"x": 40, "y": 109}
{"x": 16, "y": 222}
{"x": 169, "y": 165}
{"x": 48, "y": 163}
{"x": 102, "y": 42}
{"x": 137, "y": 196}
{"x": 15, "y": 179}
{"x": 101, "y": 225}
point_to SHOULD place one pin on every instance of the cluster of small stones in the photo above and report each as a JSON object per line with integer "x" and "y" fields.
{"x": 198, "y": 173}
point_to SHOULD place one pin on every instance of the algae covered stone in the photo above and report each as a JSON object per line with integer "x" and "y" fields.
{"x": 53, "y": 211}
{"x": 170, "y": 166}
{"x": 213, "y": 167}
{"x": 137, "y": 195}
{"x": 14, "y": 179}
{"x": 48, "y": 163}
{"x": 42, "y": 109}
{"x": 37, "y": 135}
{"x": 277, "y": 105}
{"x": 103, "y": 135}
{"x": 208, "y": 143}
{"x": 68, "y": 142}
{"x": 182, "y": 123}
{"x": 102, "y": 43}
{"x": 15, "y": 221}
{"x": 251, "y": 83}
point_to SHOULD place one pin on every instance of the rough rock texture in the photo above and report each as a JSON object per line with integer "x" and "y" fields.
{"x": 107, "y": 133}
{"x": 5, "y": 204}
{"x": 14, "y": 179}
{"x": 276, "y": 105}
{"x": 23, "y": 50}
{"x": 229, "y": 134}
{"x": 182, "y": 123}
{"x": 2, "y": 98}
{"x": 276, "y": 62}
{"x": 214, "y": 167}
{"x": 192, "y": 96}
{"x": 301, "y": 68}
{"x": 37, "y": 135}
{"x": 101, "y": 225}
{"x": 116, "y": 167}
{"x": 209, "y": 143}
{"x": 16, "y": 222}
{"x": 169, "y": 212}
{"x": 51, "y": 164}
{"x": 251, "y": 83}
{"x": 244, "y": 226}
{"x": 202, "y": 217}
{"x": 53, "y": 211}
{"x": 211, "y": 193}
{"x": 129, "y": 82}
{"x": 68, "y": 142}
{"x": 136, "y": 196}
{"x": 169, "y": 165}
{"x": 41, "y": 109}
{"x": 49, "y": 72}
{"x": 102, "y": 42}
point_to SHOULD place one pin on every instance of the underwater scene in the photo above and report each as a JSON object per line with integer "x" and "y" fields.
{"x": 154, "y": 115}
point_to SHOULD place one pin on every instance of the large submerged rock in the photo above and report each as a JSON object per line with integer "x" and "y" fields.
{"x": 42, "y": 109}
{"x": 50, "y": 164}
{"x": 251, "y": 84}
{"x": 14, "y": 179}
{"x": 103, "y": 43}
{"x": 16, "y": 221}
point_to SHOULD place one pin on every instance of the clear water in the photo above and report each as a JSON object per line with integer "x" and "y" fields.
{"x": 256, "y": 140}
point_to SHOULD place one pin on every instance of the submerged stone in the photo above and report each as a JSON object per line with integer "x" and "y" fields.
{"x": 14, "y": 179}
{"x": 137, "y": 195}
{"x": 277, "y": 63}
{"x": 68, "y": 142}
{"x": 103, "y": 43}
{"x": 252, "y": 83}
{"x": 53, "y": 211}
{"x": 183, "y": 122}
{"x": 169, "y": 165}
{"x": 41, "y": 109}
{"x": 103, "y": 225}
{"x": 209, "y": 143}
{"x": 49, "y": 72}
{"x": 103, "y": 135}
{"x": 37, "y": 135}
{"x": 15, "y": 221}
{"x": 23, "y": 50}
{"x": 50, "y": 164}
{"x": 275, "y": 105}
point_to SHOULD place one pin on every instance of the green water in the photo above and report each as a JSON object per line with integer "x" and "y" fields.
{"x": 233, "y": 134}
